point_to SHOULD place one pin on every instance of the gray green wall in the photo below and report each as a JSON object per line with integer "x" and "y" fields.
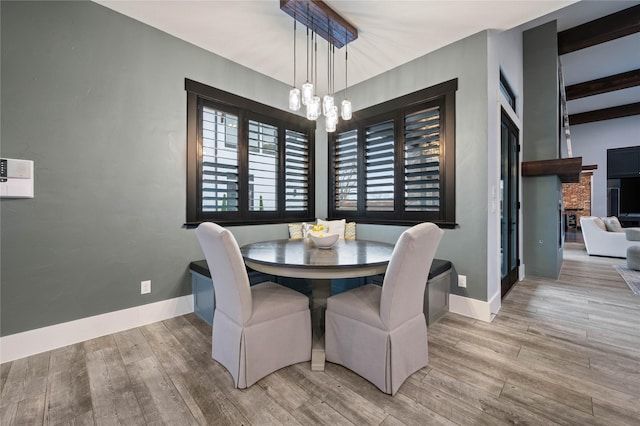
{"x": 541, "y": 195}
{"x": 465, "y": 246}
{"x": 97, "y": 101}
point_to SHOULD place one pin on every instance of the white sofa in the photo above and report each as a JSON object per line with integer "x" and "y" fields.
{"x": 601, "y": 242}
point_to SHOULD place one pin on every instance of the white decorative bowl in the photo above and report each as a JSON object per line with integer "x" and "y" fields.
{"x": 324, "y": 240}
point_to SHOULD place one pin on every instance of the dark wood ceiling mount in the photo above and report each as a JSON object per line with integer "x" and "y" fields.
{"x": 318, "y": 16}
{"x": 607, "y": 28}
{"x": 589, "y": 167}
{"x": 605, "y": 114}
{"x": 603, "y": 85}
{"x": 567, "y": 169}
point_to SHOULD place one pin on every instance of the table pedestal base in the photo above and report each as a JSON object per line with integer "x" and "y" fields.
{"x": 317, "y": 358}
{"x": 320, "y": 291}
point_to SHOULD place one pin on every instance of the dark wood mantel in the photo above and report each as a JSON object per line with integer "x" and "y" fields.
{"x": 567, "y": 169}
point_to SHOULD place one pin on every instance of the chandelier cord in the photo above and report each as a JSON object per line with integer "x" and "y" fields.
{"x": 308, "y": 44}
{"x": 333, "y": 69}
{"x": 329, "y": 62}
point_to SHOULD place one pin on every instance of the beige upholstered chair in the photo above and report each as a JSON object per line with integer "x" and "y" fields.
{"x": 256, "y": 330}
{"x": 381, "y": 332}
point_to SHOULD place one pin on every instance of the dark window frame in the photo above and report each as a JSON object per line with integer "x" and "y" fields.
{"x": 200, "y": 95}
{"x": 442, "y": 95}
{"x": 507, "y": 91}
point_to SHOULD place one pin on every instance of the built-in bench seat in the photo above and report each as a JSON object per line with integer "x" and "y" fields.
{"x": 436, "y": 298}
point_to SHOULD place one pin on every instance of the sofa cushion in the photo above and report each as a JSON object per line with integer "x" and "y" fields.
{"x": 612, "y": 224}
{"x": 632, "y": 234}
{"x": 599, "y": 223}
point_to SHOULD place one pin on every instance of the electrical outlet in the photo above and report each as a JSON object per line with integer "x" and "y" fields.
{"x": 462, "y": 281}
{"x": 145, "y": 287}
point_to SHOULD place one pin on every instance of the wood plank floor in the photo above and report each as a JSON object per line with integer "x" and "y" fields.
{"x": 561, "y": 351}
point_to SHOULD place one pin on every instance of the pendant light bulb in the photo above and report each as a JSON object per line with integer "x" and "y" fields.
{"x": 331, "y": 119}
{"x": 327, "y": 104}
{"x": 330, "y": 126}
{"x": 313, "y": 108}
{"x": 295, "y": 99}
{"x": 347, "y": 111}
{"x": 307, "y": 92}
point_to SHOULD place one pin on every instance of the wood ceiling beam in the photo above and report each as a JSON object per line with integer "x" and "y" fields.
{"x": 605, "y": 114}
{"x": 603, "y": 85}
{"x": 567, "y": 169}
{"x": 607, "y": 28}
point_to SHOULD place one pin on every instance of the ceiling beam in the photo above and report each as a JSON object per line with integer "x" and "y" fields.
{"x": 605, "y": 114}
{"x": 607, "y": 28}
{"x": 603, "y": 85}
{"x": 567, "y": 169}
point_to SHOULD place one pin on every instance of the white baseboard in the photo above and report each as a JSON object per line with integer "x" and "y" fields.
{"x": 44, "y": 339}
{"x": 495, "y": 304}
{"x": 472, "y": 308}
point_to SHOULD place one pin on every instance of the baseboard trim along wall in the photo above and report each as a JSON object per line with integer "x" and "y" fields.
{"x": 44, "y": 339}
{"x": 469, "y": 307}
{"x": 495, "y": 303}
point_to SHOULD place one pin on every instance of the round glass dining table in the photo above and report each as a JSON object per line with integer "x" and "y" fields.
{"x": 302, "y": 259}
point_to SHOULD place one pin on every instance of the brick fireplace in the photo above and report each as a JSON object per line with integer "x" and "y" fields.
{"x": 576, "y": 198}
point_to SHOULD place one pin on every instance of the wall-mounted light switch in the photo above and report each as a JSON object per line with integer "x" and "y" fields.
{"x": 462, "y": 281}
{"x": 145, "y": 287}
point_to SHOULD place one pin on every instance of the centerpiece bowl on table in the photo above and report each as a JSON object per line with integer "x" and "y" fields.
{"x": 323, "y": 240}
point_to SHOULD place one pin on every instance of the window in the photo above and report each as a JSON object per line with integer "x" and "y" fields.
{"x": 346, "y": 170}
{"x": 507, "y": 91}
{"x": 247, "y": 163}
{"x": 378, "y": 165}
{"x": 394, "y": 163}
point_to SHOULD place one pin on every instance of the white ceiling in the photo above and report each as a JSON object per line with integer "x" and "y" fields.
{"x": 258, "y": 35}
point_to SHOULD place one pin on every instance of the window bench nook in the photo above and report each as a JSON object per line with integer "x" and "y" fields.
{"x": 436, "y": 297}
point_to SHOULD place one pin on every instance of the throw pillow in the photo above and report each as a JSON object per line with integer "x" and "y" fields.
{"x": 612, "y": 224}
{"x": 350, "y": 231}
{"x": 599, "y": 223}
{"x": 334, "y": 226}
{"x": 295, "y": 231}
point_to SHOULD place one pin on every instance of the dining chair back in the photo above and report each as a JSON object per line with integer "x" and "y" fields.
{"x": 256, "y": 330}
{"x": 406, "y": 276}
{"x": 232, "y": 289}
{"x": 378, "y": 332}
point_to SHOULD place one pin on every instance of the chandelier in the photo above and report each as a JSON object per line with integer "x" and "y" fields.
{"x": 320, "y": 20}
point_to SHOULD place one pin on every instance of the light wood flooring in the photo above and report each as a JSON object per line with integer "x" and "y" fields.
{"x": 559, "y": 352}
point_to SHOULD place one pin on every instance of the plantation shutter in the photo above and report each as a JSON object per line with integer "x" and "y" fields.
{"x": 219, "y": 161}
{"x": 263, "y": 166}
{"x": 346, "y": 170}
{"x": 422, "y": 160}
{"x": 379, "y": 169}
{"x": 296, "y": 159}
